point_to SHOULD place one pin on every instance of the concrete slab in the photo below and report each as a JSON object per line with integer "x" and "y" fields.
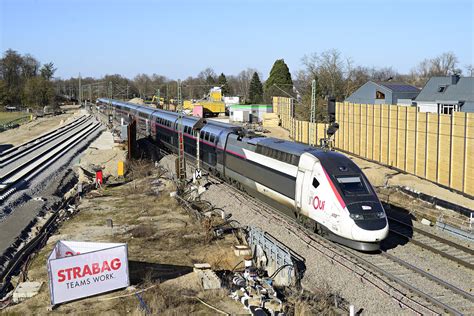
{"x": 26, "y": 290}
{"x": 209, "y": 280}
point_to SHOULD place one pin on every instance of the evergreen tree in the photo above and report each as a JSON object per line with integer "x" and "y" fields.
{"x": 279, "y": 79}
{"x": 210, "y": 80}
{"x": 222, "y": 82}
{"x": 255, "y": 90}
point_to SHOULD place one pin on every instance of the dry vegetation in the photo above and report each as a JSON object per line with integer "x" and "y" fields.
{"x": 164, "y": 242}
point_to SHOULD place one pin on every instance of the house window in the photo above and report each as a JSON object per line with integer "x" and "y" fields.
{"x": 379, "y": 95}
{"x": 441, "y": 89}
{"x": 448, "y": 108}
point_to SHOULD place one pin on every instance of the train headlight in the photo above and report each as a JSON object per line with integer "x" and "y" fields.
{"x": 380, "y": 214}
{"x": 357, "y": 216}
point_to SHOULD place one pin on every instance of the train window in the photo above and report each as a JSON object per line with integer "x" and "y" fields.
{"x": 201, "y": 135}
{"x": 352, "y": 185}
{"x": 207, "y": 136}
{"x": 212, "y": 139}
{"x": 315, "y": 183}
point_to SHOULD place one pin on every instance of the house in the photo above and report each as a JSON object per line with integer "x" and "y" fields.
{"x": 373, "y": 92}
{"x": 446, "y": 95}
{"x": 252, "y": 113}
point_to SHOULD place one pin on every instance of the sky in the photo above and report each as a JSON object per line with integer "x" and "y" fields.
{"x": 178, "y": 38}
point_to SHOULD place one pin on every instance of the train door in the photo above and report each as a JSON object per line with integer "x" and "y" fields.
{"x": 311, "y": 198}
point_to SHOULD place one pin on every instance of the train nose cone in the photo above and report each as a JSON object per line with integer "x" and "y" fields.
{"x": 370, "y": 223}
{"x": 373, "y": 235}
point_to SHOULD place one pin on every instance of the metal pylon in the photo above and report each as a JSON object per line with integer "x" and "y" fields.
{"x": 181, "y": 161}
{"x": 312, "y": 121}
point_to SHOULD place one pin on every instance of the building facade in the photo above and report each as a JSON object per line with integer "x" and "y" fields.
{"x": 373, "y": 92}
{"x": 445, "y": 95}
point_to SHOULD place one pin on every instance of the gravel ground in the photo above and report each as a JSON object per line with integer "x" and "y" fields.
{"x": 436, "y": 265}
{"x": 20, "y": 209}
{"x": 319, "y": 270}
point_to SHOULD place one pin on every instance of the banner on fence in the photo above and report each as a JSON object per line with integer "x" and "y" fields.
{"x": 81, "y": 269}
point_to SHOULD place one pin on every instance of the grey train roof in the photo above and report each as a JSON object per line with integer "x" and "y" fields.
{"x": 331, "y": 159}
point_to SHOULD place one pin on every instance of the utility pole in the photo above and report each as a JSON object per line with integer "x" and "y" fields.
{"x": 312, "y": 121}
{"x": 158, "y": 98}
{"x": 80, "y": 91}
{"x": 111, "y": 93}
{"x": 181, "y": 161}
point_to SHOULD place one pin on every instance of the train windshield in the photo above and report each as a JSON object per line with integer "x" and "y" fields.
{"x": 352, "y": 185}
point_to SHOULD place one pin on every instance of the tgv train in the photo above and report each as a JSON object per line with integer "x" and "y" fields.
{"x": 323, "y": 189}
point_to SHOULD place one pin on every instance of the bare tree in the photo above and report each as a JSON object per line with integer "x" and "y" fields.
{"x": 470, "y": 70}
{"x": 143, "y": 84}
{"x": 243, "y": 82}
{"x": 444, "y": 64}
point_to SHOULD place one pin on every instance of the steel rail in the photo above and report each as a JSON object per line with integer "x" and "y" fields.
{"x": 53, "y": 154}
{"x": 429, "y": 276}
{"x": 333, "y": 252}
{"x": 17, "y": 147}
{"x": 16, "y": 169}
{"x": 433, "y": 249}
{"x": 40, "y": 142}
{"x": 368, "y": 267}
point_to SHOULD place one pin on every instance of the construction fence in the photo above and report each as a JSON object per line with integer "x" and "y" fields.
{"x": 437, "y": 147}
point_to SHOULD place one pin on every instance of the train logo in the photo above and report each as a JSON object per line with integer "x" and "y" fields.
{"x": 318, "y": 204}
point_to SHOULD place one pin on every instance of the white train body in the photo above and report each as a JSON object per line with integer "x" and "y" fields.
{"x": 323, "y": 188}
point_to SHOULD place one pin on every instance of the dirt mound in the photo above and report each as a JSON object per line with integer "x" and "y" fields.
{"x": 137, "y": 101}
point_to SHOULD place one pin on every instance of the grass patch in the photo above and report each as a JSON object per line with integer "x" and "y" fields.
{"x": 12, "y": 117}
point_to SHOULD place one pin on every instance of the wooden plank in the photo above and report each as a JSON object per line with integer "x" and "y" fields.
{"x": 377, "y": 148}
{"x": 384, "y": 134}
{"x": 351, "y": 127}
{"x": 401, "y": 137}
{"x": 421, "y": 138}
{"x": 469, "y": 161}
{"x": 346, "y": 127}
{"x": 370, "y": 132}
{"x": 393, "y": 134}
{"x": 432, "y": 148}
{"x": 457, "y": 150}
{"x": 321, "y": 128}
{"x": 363, "y": 131}
{"x": 356, "y": 129}
{"x": 410, "y": 135}
{"x": 444, "y": 148}
{"x": 338, "y": 118}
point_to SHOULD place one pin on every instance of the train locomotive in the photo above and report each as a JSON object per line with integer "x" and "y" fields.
{"x": 323, "y": 189}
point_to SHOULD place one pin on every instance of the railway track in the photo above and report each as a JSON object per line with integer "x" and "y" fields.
{"x": 412, "y": 287}
{"x": 21, "y": 163}
{"x": 463, "y": 256}
{"x": 17, "y": 151}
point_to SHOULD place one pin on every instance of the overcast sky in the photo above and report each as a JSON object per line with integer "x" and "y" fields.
{"x": 180, "y": 38}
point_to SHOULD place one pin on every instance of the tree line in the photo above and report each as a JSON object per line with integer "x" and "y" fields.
{"x": 23, "y": 80}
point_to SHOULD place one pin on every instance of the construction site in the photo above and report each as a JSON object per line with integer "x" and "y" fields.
{"x": 236, "y": 158}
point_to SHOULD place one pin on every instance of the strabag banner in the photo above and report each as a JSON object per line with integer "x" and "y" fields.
{"x": 80, "y": 269}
